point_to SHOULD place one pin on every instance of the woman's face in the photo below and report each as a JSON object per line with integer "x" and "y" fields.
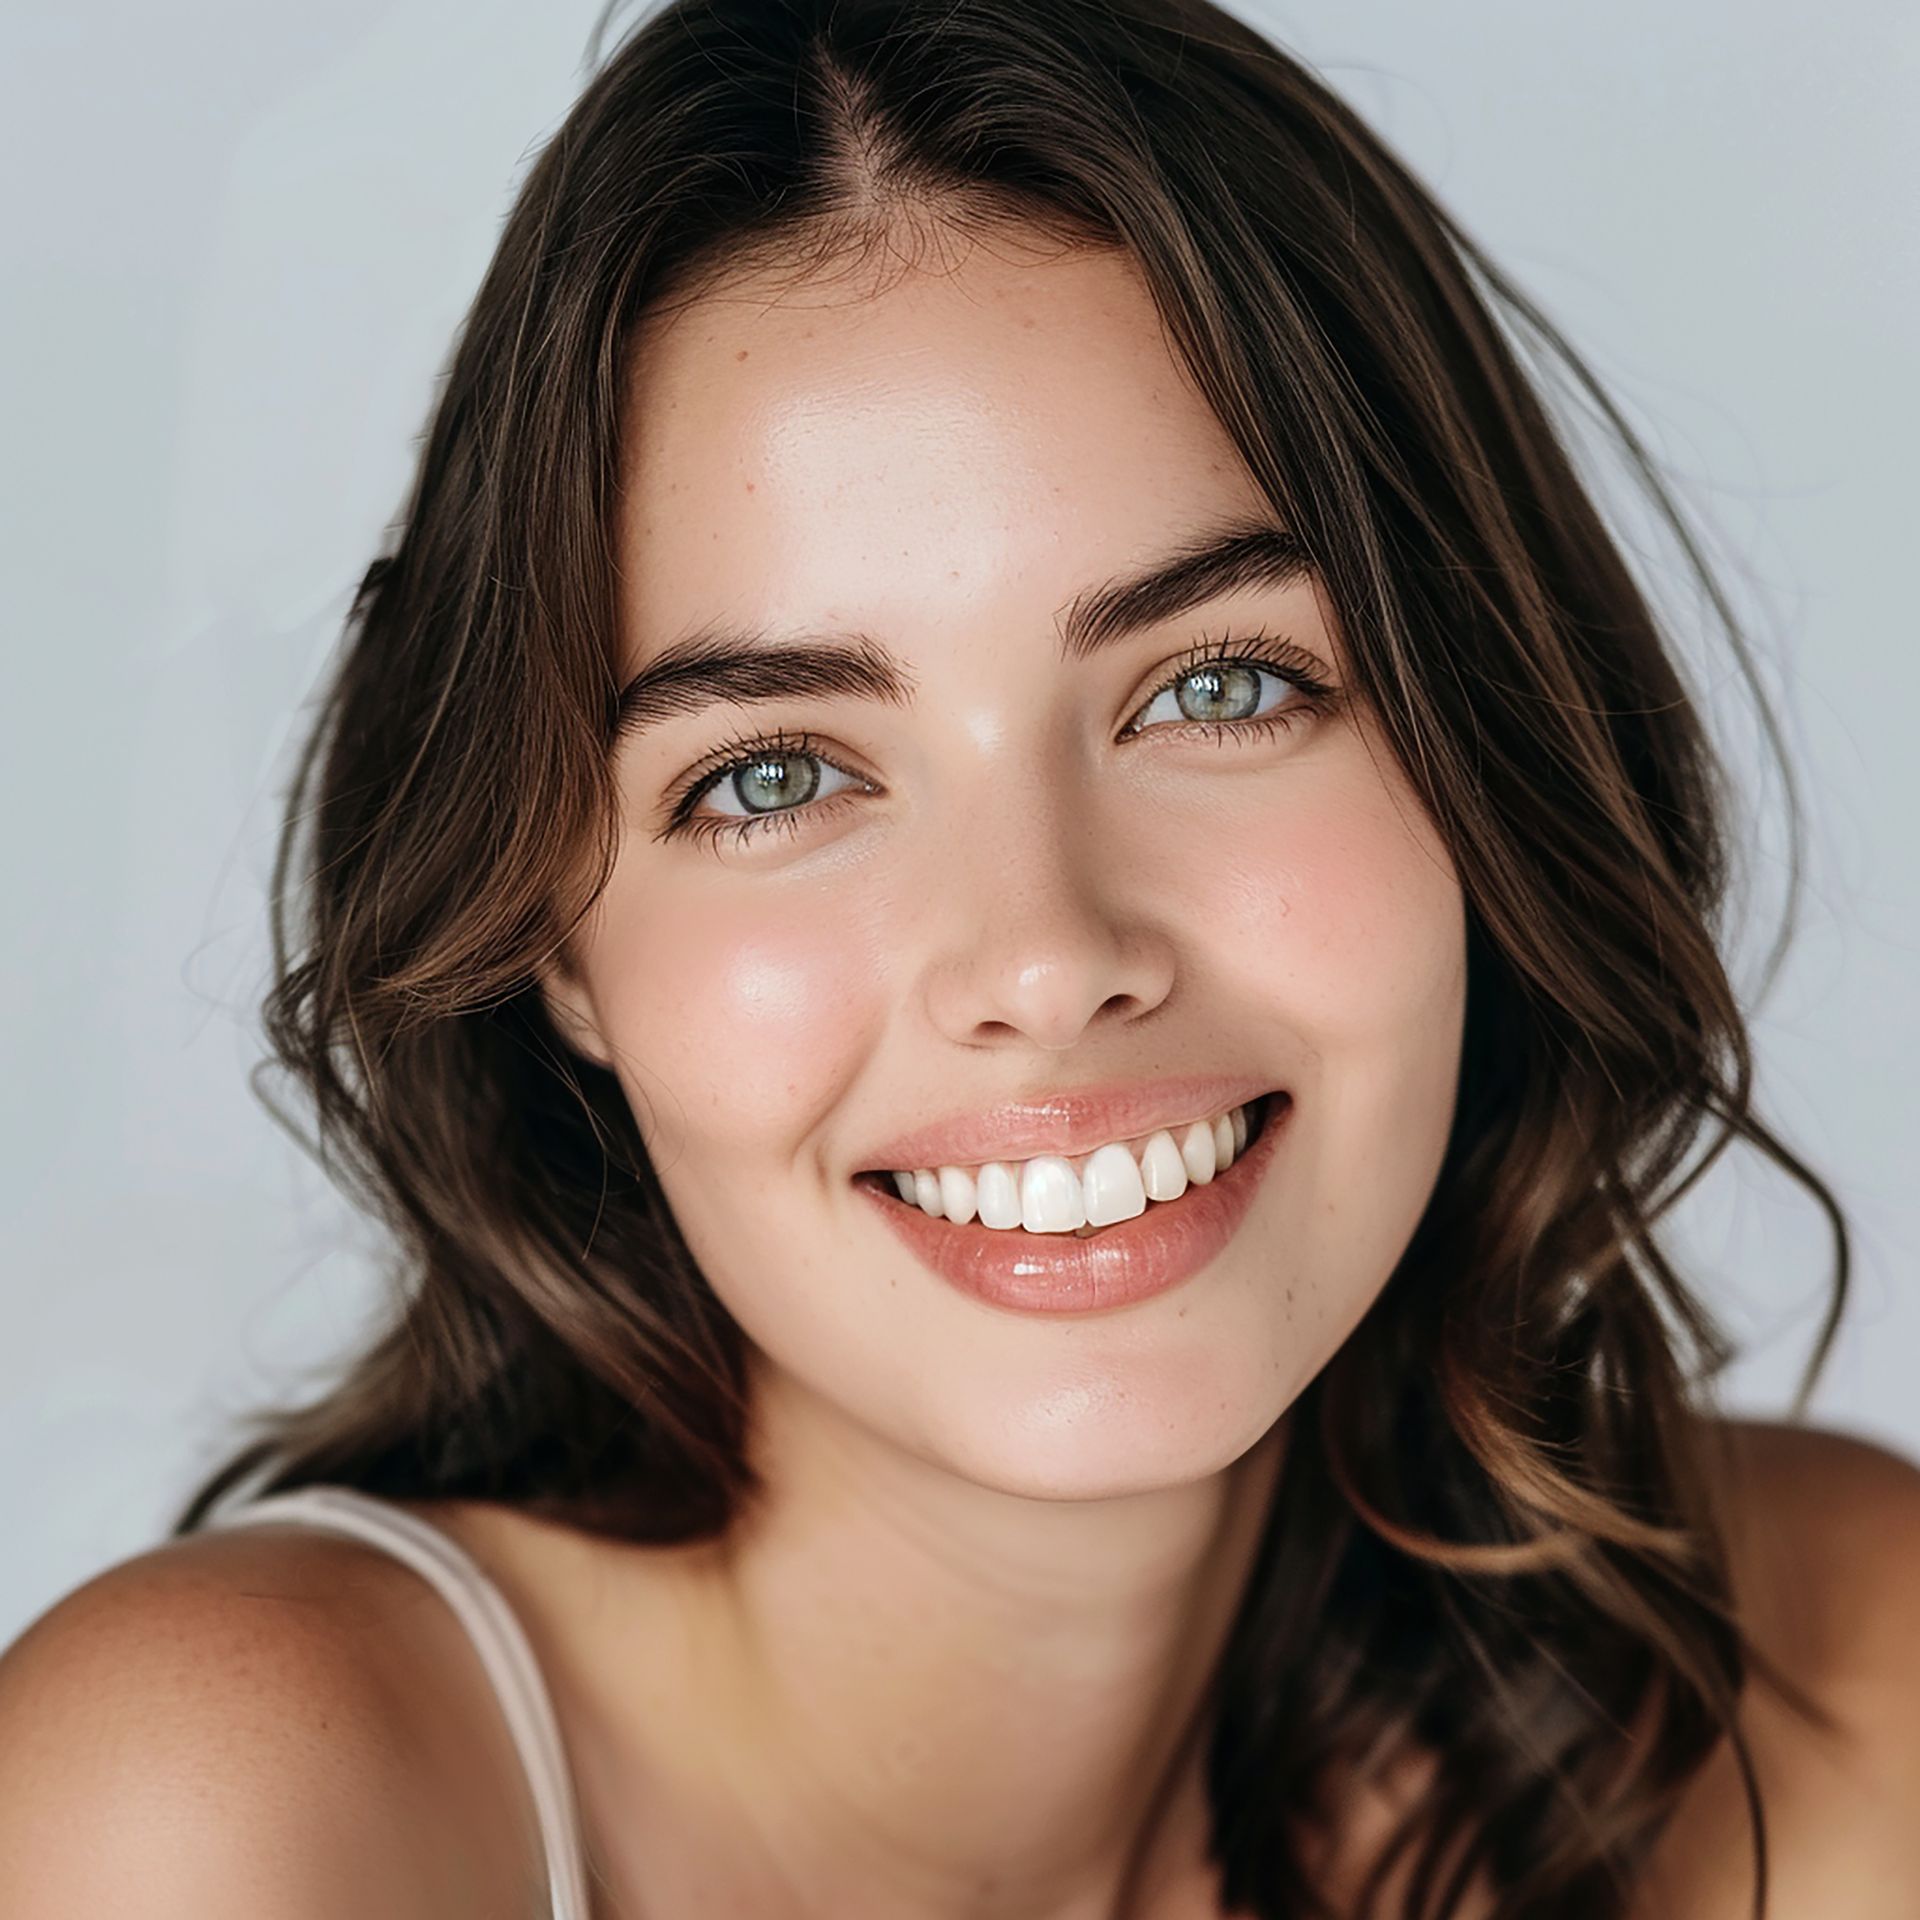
{"x": 1034, "y": 869}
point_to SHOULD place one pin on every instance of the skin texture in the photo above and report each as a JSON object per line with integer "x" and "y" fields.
{"x": 1000, "y": 1556}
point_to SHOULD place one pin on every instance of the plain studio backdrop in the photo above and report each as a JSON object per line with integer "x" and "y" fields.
{"x": 237, "y": 238}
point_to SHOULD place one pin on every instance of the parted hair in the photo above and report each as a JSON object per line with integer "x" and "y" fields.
{"x": 1496, "y": 1537}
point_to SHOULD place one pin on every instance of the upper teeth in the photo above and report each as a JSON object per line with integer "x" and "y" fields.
{"x": 1054, "y": 1194}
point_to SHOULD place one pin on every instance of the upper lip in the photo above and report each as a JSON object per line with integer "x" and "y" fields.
{"x": 1070, "y": 1122}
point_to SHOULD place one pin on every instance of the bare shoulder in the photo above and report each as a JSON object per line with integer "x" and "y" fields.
{"x": 260, "y": 1720}
{"x": 1824, "y": 1527}
{"x": 1824, "y": 1534}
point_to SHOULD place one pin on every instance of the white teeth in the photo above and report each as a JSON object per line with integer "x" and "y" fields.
{"x": 1162, "y": 1171}
{"x": 1052, "y": 1194}
{"x": 999, "y": 1196}
{"x": 957, "y": 1195}
{"x": 1197, "y": 1150}
{"x": 1052, "y": 1200}
{"x": 1113, "y": 1188}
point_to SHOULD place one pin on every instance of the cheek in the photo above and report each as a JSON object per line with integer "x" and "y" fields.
{"x": 1341, "y": 910}
{"x": 737, "y": 1024}
{"x": 1346, "y": 922}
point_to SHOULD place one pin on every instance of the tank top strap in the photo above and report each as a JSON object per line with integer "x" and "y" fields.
{"x": 497, "y": 1636}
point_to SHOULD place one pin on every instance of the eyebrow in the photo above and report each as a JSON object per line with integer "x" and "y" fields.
{"x": 725, "y": 664}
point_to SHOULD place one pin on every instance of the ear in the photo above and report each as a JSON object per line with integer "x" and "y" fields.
{"x": 570, "y": 1008}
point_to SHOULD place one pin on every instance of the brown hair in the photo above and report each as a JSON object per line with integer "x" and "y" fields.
{"x": 1495, "y": 1537}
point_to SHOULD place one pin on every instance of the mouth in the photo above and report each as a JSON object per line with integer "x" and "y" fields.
{"x": 1085, "y": 1268}
{"x": 1086, "y": 1195}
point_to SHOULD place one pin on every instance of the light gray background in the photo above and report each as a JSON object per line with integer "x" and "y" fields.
{"x": 237, "y": 236}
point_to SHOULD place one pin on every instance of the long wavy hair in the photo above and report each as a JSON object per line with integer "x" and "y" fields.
{"x": 1497, "y": 1537}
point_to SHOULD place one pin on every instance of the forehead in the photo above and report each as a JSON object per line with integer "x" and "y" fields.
{"x": 982, "y": 438}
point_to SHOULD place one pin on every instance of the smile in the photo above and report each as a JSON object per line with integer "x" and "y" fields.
{"x": 1057, "y": 1251}
{"x": 1055, "y": 1193}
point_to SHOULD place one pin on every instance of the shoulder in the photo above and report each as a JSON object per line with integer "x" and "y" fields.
{"x": 1823, "y": 1531}
{"x": 241, "y": 1722}
{"x": 1824, "y": 1528}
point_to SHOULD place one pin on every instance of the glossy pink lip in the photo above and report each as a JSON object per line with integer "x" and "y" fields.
{"x": 1053, "y": 1273}
{"x": 1067, "y": 1123}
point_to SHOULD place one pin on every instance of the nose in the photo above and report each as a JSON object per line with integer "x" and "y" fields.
{"x": 1036, "y": 941}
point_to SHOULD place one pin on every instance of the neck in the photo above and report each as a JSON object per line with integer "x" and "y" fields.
{"x": 932, "y": 1699}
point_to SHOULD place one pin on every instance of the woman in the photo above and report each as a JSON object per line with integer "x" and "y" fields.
{"x": 1015, "y": 910}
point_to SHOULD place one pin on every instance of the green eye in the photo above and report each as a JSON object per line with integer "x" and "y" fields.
{"x": 1224, "y": 690}
{"x": 768, "y": 784}
{"x": 1217, "y": 687}
{"x": 773, "y": 781}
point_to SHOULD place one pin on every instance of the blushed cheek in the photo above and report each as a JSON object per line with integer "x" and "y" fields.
{"x": 1343, "y": 912}
{"x": 739, "y": 1025}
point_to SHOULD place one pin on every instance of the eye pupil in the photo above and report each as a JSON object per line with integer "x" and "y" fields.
{"x": 782, "y": 780}
{"x": 1225, "y": 693}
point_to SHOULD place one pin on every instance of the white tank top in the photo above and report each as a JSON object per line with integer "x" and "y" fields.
{"x": 497, "y": 1636}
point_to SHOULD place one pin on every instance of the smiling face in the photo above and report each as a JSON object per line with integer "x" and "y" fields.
{"x": 1030, "y": 869}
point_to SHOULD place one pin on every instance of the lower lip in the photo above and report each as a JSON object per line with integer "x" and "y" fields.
{"x": 1059, "y": 1273}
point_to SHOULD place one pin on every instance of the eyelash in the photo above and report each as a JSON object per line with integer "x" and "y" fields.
{"x": 1279, "y": 657}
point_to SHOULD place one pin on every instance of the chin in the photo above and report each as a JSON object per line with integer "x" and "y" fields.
{"x": 1100, "y": 1440}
